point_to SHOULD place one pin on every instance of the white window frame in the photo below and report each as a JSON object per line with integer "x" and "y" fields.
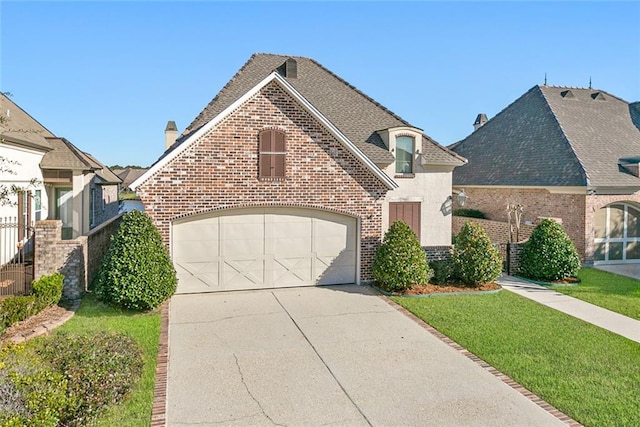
{"x": 624, "y": 240}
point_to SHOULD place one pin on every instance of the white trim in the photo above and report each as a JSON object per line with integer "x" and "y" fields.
{"x": 552, "y": 190}
{"x": 298, "y": 97}
{"x": 624, "y": 240}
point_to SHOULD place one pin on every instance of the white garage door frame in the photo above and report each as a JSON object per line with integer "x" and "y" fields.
{"x": 286, "y": 216}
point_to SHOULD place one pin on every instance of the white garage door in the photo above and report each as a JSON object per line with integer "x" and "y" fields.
{"x": 264, "y": 248}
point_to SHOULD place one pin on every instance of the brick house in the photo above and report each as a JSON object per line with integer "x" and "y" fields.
{"x": 289, "y": 177}
{"x": 566, "y": 153}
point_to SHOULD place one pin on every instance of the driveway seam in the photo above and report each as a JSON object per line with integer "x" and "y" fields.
{"x": 496, "y": 373}
{"x": 322, "y": 360}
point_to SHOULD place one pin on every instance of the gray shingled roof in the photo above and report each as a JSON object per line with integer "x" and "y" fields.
{"x": 356, "y": 115}
{"x": 20, "y": 128}
{"x": 551, "y": 137}
{"x": 129, "y": 175}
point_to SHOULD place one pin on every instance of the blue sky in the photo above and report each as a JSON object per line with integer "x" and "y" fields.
{"x": 108, "y": 75}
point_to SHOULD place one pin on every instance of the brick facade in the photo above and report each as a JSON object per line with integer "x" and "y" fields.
{"x": 78, "y": 259}
{"x": 577, "y": 211}
{"x": 498, "y": 231}
{"x": 220, "y": 171}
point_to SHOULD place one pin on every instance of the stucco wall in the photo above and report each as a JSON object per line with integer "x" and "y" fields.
{"x": 431, "y": 186}
{"x": 26, "y": 169}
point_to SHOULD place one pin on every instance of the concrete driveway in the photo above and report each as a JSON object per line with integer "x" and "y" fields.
{"x": 324, "y": 356}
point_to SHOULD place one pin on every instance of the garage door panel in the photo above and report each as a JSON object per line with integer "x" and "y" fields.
{"x": 265, "y": 248}
{"x": 291, "y": 271}
{"x": 197, "y": 251}
{"x": 194, "y": 231}
{"x": 243, "y": 273}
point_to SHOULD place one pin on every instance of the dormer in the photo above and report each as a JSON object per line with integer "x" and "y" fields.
{"x": 405, "y": 143}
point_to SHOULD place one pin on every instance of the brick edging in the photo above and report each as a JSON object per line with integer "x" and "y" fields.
{"x": 484, "y": 365}
{"x": 46, "y": 327}
{"x": 159, "y": 411}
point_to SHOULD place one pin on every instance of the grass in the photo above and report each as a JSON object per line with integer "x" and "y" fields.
{"x": 144, "y": 328}
{"x": 611, "y": 291}
{"x": 128, "y": 195}
{"x": 588, "y": 373}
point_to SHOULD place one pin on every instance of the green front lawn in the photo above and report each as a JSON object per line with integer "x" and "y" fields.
{"x": 611, "y": 291}
{"x": 588, "y": 373}
{"x": 144, "y": 328}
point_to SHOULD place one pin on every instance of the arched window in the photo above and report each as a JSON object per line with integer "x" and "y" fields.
{"x": 272, "y": 147}
{"x": 617, "y": 233}
{"x": 404, "y": 154}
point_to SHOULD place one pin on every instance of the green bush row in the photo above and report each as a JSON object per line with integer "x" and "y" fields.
{"x": 66, "y": 379}
{"x": 46, "y": 291}
{"x": 400, "y": 262}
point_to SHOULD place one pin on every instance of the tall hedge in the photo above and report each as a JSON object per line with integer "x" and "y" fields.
{"x": 549, "y": 254}
{"x": 136, "y": 272}
{"x": 476, "y": 260}
{"x": 400, "y": 262}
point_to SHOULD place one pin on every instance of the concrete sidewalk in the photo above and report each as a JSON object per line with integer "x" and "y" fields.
{"x": 325, "y": 356}
{"x": 614, "y": 322}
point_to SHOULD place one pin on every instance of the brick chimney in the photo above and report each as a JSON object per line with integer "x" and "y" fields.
{"x": 170, "y": 134}
{"x": 481, "y": 119}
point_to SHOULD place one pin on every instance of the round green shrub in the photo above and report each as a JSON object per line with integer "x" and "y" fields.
{"x": 48, "y": 290}
{"x": 31, "y": 393}
{"x": 136, "y": 271}
{"x": 475, "y": 258}
{"x": 100, "y": 369}
{"x": 549, "y": 254}
{"x": 400, "y": 262}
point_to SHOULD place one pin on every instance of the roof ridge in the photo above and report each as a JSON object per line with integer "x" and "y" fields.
{"x": 215, "y": 98}
{"x": 367, "y": 97}
{"x": 564, "y": 135}
{"x": 25, "y": 112}
{"x": 499, "y": 113}
{"x": 592, "y": 89}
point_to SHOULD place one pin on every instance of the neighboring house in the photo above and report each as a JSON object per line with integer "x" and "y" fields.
{"x": 289, "y": 177}
{"x": 23, "y": 144}
{"x": 566, "y": 153}
{"x": 69, "y": 185}
{"x": 128, "y": 175}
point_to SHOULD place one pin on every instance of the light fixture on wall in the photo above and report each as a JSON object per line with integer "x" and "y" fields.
{"x": 461, "y": 198}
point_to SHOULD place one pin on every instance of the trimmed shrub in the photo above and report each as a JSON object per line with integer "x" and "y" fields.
{"x": 136, "y": 272}
{"x": 31, "y": 394}
{"x": 15, "y": 309}
{"x": 443, "y": 271}
{"x": 549, "y": 254}
{"x": 48, "y": 290}
{"x": 470, "y": 213}
{"x": 400, "y": 262}
{"x": 99, "y": 369}
{"x": 475, "y": 258}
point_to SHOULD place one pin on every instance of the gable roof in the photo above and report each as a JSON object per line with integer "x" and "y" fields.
{"x": 177, "y": 148}
{"x": 129, "y": 175}
{"x": 353, "y": 113}
{"x": 65, "y": 155}
{"x": 18, "y": 127}
{"x": 553, "y": 136}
